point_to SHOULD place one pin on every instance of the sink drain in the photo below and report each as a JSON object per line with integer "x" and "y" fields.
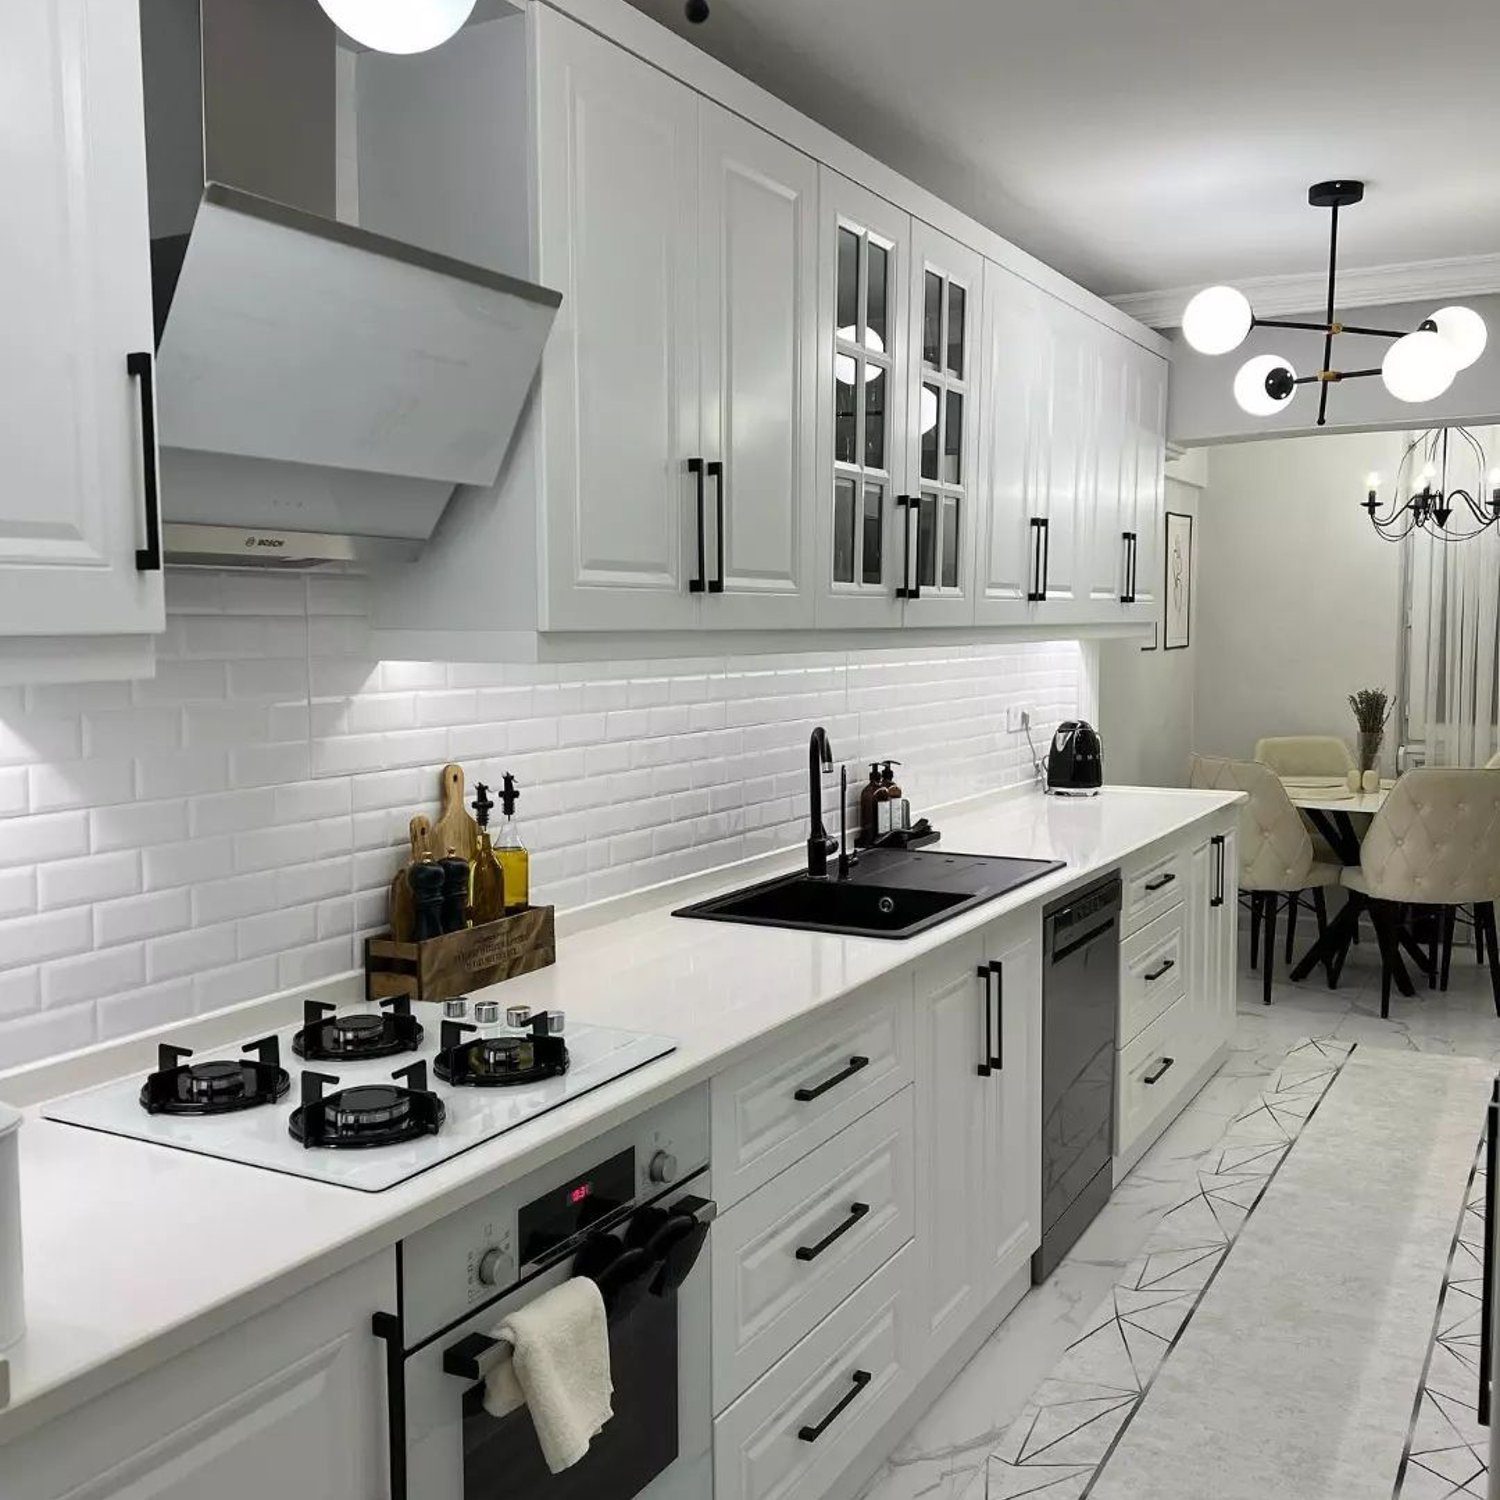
{"x": 886, "y": 906}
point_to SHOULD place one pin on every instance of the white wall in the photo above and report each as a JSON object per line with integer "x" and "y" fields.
{"x": 1202, "y": 408}
{"x": 1298, "y": 596}
{"x": 230, "y": 827}
{"x": 1146, "y": 698}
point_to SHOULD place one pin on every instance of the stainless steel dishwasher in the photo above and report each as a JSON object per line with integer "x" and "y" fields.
{"x": 1080, "y": 1007}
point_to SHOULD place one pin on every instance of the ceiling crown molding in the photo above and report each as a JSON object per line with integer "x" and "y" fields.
{"x": 1359, "y": 286}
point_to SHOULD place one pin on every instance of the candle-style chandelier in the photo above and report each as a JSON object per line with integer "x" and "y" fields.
{"x": 1434, "y": 503}
{"x": 1418, "y": 366}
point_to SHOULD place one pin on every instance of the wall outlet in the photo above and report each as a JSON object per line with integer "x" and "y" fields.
{"x": 1017, "y": 719}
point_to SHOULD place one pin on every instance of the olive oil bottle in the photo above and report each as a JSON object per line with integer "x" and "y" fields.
{"x": 486, "y": 879}
{"x": 515, "y": 862}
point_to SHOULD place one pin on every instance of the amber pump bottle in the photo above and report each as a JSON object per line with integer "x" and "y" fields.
{"x": 515, "y": 862}
{"x": 486, "y": 879}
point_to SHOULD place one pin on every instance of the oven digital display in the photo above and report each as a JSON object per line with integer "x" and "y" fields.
{"x": 555, "y": 1218}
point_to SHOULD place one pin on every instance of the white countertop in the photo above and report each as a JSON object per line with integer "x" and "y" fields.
{"x": 134, "y": 1253}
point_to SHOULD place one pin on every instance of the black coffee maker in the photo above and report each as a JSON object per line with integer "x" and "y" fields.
{"x": 1075, "y": 763}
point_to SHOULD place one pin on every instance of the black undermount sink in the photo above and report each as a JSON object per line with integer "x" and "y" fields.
{"x": 889, "y": 894}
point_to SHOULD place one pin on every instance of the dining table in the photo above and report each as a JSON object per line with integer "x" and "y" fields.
{"x": 1332, "y": 809}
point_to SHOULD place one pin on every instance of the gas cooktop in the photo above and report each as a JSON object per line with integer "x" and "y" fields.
{"x": 373, "y": 1096}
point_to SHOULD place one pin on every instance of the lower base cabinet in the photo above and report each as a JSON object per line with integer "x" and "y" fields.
{"x": 291, "y": 1403}
{"x": 806, "y": 1419}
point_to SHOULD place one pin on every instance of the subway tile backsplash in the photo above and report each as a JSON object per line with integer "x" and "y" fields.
{"x": 231, "y": 826}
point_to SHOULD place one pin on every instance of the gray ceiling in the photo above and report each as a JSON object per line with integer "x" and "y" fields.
{"x": 1141, "y": 144}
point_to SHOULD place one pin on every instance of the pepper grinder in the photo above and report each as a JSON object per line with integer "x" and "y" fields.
{"x": 455, "y": 900}
{"x": 426, "y": 880}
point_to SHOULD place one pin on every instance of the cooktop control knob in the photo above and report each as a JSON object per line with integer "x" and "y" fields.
{"x": 496, "y": 1267}
{"x": 517, "y": 1016}
{"x": 662, "y": 1167}
{"x": 456, "y": 1009}
{"x": 487, "y": 1012}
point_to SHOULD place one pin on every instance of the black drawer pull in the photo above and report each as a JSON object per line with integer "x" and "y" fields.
{"x": 1161, "y": 1072}
{"x": 700, "y": 583}
{"x": 988, "y": 1055}
{"x": 716, "y": 473}
{"x": 139, "y": 367}
{"x": 1161, "y": 883}
{"x": 861, "y": 1379}
{"x": 997, "y": 1060}
{"x": 806, "y": 1094}
{"x": 857, "y": 1211}
{"x": 1167, "y": 964}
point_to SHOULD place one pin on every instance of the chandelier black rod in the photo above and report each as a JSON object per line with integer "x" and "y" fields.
{"x": 1374, "y": 333}
{"x": 1333, "y": 251}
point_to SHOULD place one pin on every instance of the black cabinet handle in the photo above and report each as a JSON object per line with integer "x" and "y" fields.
{"x": 1127, "y": 594}
{"x": 139, "y": 366}
{"x": 1161, "y": 1072}
{"x": 808, "y": 1092}
{"x": 698, "y": 584}
{"x": 988, "y": 1055}
{"x": 716, "y": 473}
{"x": 857, "y": 1211}
{"x": 861, "y": 1379}
{"x": 1486, "y": 1297}
{"x": 1038, "y": 560}
{"x": 1217, "y": 898}
{"x": 1162, "y": 883}
{"x": 997, "y": 1060}
{"x": 910, "y": 587}
{"x": 1046, "y": 555}
{"x": 1167, "y": 965}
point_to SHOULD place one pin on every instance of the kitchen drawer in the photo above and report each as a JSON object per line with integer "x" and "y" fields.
{"x": 1151, "y": 1070}
{"x": 1153, "y": 970}
{"x": 782, "y": 1102}
{"x": 791, "y": 1435}
{"x": 1154, "y": 888}
{"x": 786, "y": 1256}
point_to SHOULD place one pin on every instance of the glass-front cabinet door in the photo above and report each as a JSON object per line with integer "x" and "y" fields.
{"x": 862, "y": 448}
{"x": 942, "y": 411}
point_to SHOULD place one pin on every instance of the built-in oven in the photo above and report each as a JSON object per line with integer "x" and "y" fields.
{"x": 631, "y": 1210}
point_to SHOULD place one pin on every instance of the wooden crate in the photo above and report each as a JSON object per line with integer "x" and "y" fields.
{"x": 457, "y": 962}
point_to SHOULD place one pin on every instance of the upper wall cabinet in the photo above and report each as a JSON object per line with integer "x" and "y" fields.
{"x": 79, "y": 542}
{"x": 678, "y": 387}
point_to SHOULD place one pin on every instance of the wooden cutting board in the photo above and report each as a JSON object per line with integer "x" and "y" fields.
{"x": 455, "y": 828}
{"x": 419, "y": 831}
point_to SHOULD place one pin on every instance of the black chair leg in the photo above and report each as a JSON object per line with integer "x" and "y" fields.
{"x": 1484, "y": 921}
{"x": 1292, "y": 903}
{"x": 1384, "y": 919}
{"x": 1449, "y": 924}
{"x": 1255, "y": 909}
{"x": 1269, "y": 957}
{"x": 1320, "y": 913}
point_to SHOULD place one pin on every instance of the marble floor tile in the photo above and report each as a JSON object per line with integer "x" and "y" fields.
{"x": 944, "y": 1456}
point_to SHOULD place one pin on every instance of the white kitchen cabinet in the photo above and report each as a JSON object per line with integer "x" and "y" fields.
{"x": 617, "y": 189}
{"x": 79, "y": 548}
{"x": 943, "y": 390}
{"x": 978, "y": 1087}
{"x": 758, "y": 209}
{"x": 297, "y": 1392}
{"x": 863, "y": 286}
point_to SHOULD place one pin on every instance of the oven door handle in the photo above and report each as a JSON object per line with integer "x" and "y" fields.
{"x": 473, "y": 1357}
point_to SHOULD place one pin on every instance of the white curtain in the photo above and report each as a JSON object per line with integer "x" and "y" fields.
{"x": 1453, "y": 683}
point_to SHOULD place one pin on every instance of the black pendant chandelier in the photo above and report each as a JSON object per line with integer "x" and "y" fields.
{"x": 1433, "y": 503}
{"x": 1418, "y": 366}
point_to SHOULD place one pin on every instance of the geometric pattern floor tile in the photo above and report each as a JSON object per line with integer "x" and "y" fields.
{"x": 1055, "y": 1448}
{"x": 1447, "y": 1450}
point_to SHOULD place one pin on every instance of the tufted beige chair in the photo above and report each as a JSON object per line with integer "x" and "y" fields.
{"x": 1277, "y": 860}
{"x": 1434, "y": 842}
{"x": 1305, "y": 755}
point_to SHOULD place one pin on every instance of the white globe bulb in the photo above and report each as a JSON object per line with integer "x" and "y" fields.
{"x": 1216, "y": 320}
{"x": 398, "y": 25}
{"x": 1418, "y": 367}
{"x": 1250, "y": 385}
{"x": 1464, "y": 330}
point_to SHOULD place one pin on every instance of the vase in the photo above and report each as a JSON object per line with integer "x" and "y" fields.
{"x": 1370, "y": 741}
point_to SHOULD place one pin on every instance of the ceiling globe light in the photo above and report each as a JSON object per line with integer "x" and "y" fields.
{"x": 1264, "y": 385}
{"x": 1465, "y": 332}
{"x": 398, "y": 25}
{"x": 1418, "y": 366}
{"x": 1217, "y": 320}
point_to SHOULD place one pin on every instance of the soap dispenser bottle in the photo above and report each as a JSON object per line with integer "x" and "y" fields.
{"x": 893, "y": 811}
{"x": 515, "y": 862}
{"x": 868, "y": 832}
{"x": 486, "y": 878}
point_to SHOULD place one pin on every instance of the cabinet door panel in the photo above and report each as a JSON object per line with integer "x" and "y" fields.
{"x": 1146, "y": 477}
{"x": 74, "y": 250}
{"x": 953, "y": 1104}
{"x": 1111, "y": 490}
{"x": 864, "y": 244}
{"x": 617, "y": 201}
{"x": 759, "y": 327}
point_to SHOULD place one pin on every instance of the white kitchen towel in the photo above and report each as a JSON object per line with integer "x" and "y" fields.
{"x": 558, "y": 1367}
